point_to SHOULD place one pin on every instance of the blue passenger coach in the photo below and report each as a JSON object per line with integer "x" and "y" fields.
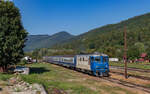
{"x": 97, "y": 64}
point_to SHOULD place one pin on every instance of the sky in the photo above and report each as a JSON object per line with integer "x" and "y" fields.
{"x": 76, "y": 16}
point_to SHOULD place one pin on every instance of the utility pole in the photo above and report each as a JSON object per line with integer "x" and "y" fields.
{"x": 125, "y": 53}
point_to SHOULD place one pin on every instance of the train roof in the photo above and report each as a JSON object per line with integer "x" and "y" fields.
{"x": 62, "y": 56}
{"x": 100, "y": 54}
{"x": 94, "y": 54}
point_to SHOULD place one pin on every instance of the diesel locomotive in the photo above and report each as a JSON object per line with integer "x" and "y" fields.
{"x": 97, "y": 64}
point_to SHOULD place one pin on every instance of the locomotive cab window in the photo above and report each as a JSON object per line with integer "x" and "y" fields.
{"x": 97, "y": 59}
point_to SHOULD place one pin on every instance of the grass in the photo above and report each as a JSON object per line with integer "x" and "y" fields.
{"x": 5, "y": 77}
{"x": 131, "y": 65}
{"x": 148, "y": 85}
{"x": 56, "y": 78}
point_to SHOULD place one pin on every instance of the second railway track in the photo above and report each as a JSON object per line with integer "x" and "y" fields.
{"x": 121, "y": 82}
{"x": 131, "y": 69}
{"x": 130, "y": 75}
{"x": 128, "y": 84}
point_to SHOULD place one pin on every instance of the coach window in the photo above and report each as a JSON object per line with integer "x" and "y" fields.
{"x": 83, "y": 58}
{"x": 80, "y": 59}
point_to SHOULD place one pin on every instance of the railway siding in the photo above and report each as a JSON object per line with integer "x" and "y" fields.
{"x": 131, "y": 69}
{"x": 128, "y": 84}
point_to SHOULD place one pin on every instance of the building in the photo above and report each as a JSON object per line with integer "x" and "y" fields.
{"x": 143, "y": 57}
{"x": 113, "y": 59}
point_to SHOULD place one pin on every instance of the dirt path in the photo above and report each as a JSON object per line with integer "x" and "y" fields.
{"x": 3, "y": 89}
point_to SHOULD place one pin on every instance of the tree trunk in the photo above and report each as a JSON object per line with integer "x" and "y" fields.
{"x": 3, "y": 69}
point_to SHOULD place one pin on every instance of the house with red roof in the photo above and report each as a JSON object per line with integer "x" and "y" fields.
{"x": 143, "y": 57}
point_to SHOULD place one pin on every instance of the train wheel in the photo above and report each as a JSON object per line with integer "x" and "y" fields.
{"x": 100, "y": 74}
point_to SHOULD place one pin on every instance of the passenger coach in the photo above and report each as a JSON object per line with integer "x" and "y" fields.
{"x": 97, "y": 64}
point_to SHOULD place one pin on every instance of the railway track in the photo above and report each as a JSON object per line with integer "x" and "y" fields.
{"x": 130, "y": 75}
{"x": 121, "y": 82}
{"x": 127, "y": 84}
{"x": 131, "y": 69}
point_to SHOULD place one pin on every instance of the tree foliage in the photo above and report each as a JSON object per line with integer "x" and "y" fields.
{"x": 12, "y": 34}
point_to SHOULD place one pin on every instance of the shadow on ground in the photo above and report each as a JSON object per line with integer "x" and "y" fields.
{"x": 39, "y": 70}
{"x": 1, "y": 89}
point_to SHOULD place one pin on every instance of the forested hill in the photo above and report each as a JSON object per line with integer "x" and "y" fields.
{"x": 109, "y": 38}
{"x": 45, "y": 41}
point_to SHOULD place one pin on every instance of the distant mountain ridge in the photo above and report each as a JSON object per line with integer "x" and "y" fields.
{"x": 109, "y": 39}
{"x": 45, "y": 41}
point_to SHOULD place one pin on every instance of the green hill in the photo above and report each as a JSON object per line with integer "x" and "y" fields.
{"x": 45, "y": 41}
{"x": 109, "y": 39}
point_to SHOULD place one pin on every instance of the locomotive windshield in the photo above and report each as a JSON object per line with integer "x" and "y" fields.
{"x": 97, "y": 59}
{"x": 105, "y": 59}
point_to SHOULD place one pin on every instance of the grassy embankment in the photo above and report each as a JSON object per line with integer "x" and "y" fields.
{"x": 132, "y": 65}
{"x": 5, "y": 77}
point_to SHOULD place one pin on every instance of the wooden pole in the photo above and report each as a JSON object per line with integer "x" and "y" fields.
{"x": 125, "y": 53}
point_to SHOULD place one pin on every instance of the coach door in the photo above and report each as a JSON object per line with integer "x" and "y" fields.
{"x": 92, "y": 62}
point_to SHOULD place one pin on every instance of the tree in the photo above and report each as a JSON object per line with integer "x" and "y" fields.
{"x": 133, "y": 53}
{"x": 12, "y": 35}
{"x": 92, "y": 46}
{"x": 140, "y": 46}
{"x": 35, "y": 54}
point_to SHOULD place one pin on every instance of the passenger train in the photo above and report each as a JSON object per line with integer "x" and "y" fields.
{"x": 97, "y": 64}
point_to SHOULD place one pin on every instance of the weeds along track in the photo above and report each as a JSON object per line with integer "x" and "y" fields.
{"x": 127, "y": 84}
{"x": 131, "y": 69}
{"x": 130, "y": 75}
{"x": 120, "y": 82}
{"x": 123, "y": 83}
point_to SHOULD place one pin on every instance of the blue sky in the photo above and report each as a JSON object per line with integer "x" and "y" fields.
{"x": 76, "y": 16}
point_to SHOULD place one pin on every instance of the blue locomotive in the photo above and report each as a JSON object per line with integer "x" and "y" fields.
{"x": 97, "y": 64}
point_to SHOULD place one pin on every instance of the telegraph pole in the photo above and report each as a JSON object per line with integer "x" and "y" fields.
{"x": 125, "y": 53}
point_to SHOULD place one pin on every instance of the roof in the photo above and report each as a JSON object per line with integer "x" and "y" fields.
{"x": 143, "y": 54}
{"x": 141, "y": 59}
{"x": 94, "y": 54}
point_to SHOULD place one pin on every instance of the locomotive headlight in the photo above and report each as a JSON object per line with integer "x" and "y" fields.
{"x": 106, "y": 66}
